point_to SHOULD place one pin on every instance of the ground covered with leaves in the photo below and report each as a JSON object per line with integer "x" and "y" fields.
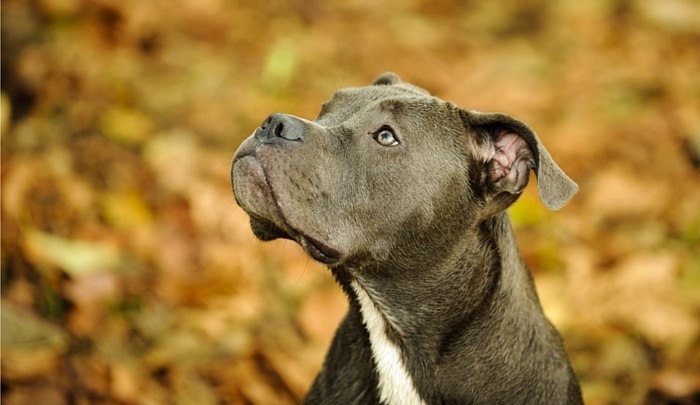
{"x": 129, "y": 275}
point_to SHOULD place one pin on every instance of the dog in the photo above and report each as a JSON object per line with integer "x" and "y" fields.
{"x": 404, "y": 196}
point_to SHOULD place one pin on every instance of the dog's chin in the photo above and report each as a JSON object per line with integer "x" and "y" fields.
{"x": 266, "y": 230}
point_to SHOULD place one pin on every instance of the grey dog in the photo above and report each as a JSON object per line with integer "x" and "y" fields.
{"x": 404, "y": 197}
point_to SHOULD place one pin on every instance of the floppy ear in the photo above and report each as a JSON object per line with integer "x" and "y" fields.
{"x": 510, "y": 149}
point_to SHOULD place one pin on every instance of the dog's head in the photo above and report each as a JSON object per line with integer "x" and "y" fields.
{"x": 386, "y": 167}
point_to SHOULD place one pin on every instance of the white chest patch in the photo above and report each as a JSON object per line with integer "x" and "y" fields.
{"x": 395, "y": 384}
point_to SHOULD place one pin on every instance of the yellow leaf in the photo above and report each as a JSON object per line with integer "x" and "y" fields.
{"x": 126, "y": 125}
{"x": 5, "y": 113}
{"x": 126, "y": 210}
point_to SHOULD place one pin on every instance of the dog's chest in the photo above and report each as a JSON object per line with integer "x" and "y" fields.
{"x": 395, "y": 384}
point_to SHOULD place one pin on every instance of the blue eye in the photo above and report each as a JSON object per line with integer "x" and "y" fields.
{"x": 385, "y": 137}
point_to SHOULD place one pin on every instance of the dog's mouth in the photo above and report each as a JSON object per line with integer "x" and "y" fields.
{"x": 255, "y": 194}
{"x": 318, "y": 250}
{"x": 267, "y": 230}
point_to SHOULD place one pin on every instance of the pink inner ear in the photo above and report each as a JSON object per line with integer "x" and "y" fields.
{"x": 511, "y": 162}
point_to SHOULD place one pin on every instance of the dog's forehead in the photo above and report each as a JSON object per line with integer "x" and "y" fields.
{"x": 345, "y": 103}
{"x": 373, "y": 93}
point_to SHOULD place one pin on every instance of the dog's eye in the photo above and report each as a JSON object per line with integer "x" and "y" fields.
{"x": 385, "y": 137}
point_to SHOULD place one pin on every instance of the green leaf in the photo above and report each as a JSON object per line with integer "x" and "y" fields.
{"x": 75, "y": 257}
{"x": 280, "y": 66}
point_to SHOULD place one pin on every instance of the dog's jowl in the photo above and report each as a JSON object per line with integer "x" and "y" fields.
{"x": 404, "y": 197}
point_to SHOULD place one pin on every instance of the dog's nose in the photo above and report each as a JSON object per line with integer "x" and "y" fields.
{"x": 280, "y": 127}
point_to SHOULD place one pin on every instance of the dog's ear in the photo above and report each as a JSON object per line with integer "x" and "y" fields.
{"x": 509, "y": 149}
{"x": 387, "y": 79}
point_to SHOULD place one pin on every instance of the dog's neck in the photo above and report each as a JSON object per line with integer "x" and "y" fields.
{"x": 426, "y": 298}
{"x": 414, "y": 314}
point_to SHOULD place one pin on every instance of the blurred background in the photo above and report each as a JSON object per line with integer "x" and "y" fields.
{"x": 130, "y": 276}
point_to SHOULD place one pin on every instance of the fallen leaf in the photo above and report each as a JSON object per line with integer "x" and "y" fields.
{"x": 126, "y": 210}
{"x": 281, "y": 64}
{"x": 126, "y": 125}
{"x": 75, "y": 257}
{"x": 30, "y": 346}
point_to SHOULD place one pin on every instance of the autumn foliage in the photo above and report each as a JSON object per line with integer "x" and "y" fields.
{"x": 130, "y": 276}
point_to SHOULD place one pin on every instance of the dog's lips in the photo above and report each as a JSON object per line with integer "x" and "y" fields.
{"x": 258, "y": 188}
{"x": 252, "y": 189}
{"x": 319, "y": 250}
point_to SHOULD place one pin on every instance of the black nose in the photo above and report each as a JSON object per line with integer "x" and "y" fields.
{"x": 280, "y": 127}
